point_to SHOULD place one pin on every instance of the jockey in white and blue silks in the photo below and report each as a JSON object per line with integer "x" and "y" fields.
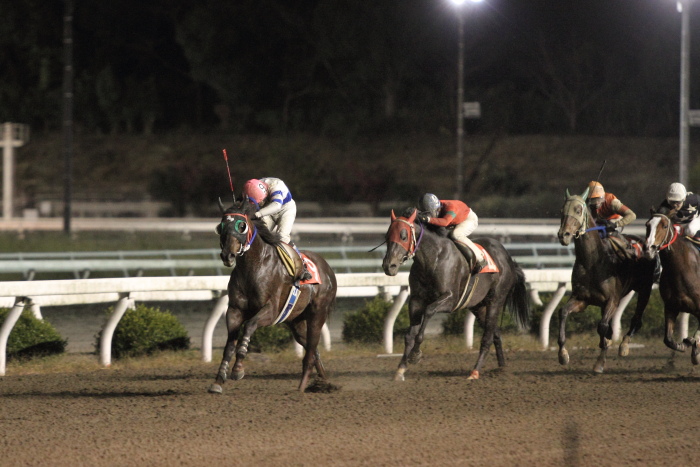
{"x": 276, "y": 208}
{"x": 275, "y": 204}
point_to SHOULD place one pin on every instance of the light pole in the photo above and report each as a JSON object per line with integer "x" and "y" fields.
{"x": 683, "y": 7}
{"x": 459, "y": 177}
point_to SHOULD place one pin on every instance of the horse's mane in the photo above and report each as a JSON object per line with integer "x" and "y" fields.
{"x": 440, "y": 231}
{"x": 245, "y": 206}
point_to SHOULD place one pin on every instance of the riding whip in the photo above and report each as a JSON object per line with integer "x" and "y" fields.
{"x": 597, "y": 179}
{"x": 230, "y": 180}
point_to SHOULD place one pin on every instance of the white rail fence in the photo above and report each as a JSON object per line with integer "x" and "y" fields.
{"x": 206, "y": 261}
{"x": 125, "y": 291}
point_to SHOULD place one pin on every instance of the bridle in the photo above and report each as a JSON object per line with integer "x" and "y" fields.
{"x": 671, "y": 231}
{"x": 241, "y": 226}
{"x": 582, "y": 218}
{"x": 411, "y": 243}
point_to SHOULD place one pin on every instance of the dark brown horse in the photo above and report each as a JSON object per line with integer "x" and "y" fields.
{"x": 679, "y": 285}
{"x": 599, "y": 278}
{"x": 260, "y": 292}
{"x": 441, "y": 282}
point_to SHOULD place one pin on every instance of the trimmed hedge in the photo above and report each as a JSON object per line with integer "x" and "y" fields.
{"x": 144, "y": 330}
{"x": 584, "y": 322}
{"x": 32, "y": 337}
{"x": 270, "y": 338}
{"x": 366, "y": 325}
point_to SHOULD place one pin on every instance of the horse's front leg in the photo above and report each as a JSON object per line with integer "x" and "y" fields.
{"x": 574, "y": 305}
{"x": 605, "y": 334}
{"x": 247, "y": 331}
{"x": 419, "y": 318}
{"x": 234, "y": 318}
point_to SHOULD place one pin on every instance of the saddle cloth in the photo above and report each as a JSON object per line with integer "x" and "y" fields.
{"x": 293, "y": 263}
{"x": 491, "y": 266}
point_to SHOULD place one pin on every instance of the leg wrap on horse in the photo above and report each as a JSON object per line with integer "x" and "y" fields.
{"x": 243, "y": 346}
{"x": 223, "y": 370}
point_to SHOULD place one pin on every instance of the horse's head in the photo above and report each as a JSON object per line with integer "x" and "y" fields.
{"x": 660, "y": 233}
{"x": 236, "y": 232}
{"x": 574, "y": 217}
{"x": 400, "y": 242}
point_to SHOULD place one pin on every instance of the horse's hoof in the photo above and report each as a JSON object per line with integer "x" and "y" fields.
{"x": 399, "y": 376}
{"x": 216, "y": 389}
{"x": 474, "y": 375}
{"x": 415, "y": 357}
{"x": 563, "y": 357}
{"x": 624, "y": 350}
{"x": 238, "y": 375}
{"x": 599, "y": 368}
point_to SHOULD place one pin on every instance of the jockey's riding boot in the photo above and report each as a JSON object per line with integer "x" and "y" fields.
{"x": 470, "y": 256}
{"x": 479, "y": 265}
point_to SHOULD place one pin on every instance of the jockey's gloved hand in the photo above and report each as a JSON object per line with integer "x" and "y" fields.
{"x": 422, "y": 217}
{"x": 610, "y": 226}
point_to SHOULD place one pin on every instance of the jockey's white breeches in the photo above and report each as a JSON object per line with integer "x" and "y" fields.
{"x": 282, "y": 221}
{"x": 691, "y": 227}
{"x": 462, "y": 231}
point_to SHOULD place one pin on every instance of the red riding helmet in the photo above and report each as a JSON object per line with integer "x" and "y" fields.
{"x": 256, "y": 190}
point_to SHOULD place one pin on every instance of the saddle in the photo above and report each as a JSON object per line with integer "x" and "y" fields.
{"x": 294, "y": 265}
{"x": 626, "y": 248}
{"x": 491, "y": 265}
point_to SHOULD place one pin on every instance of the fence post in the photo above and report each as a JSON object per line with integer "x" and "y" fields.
{"x": 547, "y": 314}
{"x": 469, "y": 320}
{"x": 208, "y": 335}
{"x": 108, "y": 331}
{"x": 391, "y": 319}
{"x": 6, "y": 328}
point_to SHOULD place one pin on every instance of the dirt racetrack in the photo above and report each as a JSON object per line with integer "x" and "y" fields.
{"x": 157, "y": 412}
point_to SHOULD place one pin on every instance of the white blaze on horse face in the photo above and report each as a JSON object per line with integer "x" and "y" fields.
{"x": 651, "y": 238}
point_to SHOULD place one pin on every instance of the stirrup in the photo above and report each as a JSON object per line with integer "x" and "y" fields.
{"x": 479, "y": 266}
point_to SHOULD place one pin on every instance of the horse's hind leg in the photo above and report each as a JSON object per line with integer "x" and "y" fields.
{"x": 488, "y": 338}
{"x": 299, "y": 331}
{"x": 635, "y": 324}
{"x": 311, "y": 356}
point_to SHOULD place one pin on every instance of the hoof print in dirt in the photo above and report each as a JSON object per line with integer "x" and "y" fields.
{"x": 323, "y": 387}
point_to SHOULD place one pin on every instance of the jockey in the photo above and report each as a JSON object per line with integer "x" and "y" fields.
{"x": 459, "y": 217}
{"x": 607, "y": 209}
{"x": 276, "y": 209}
{"x": 682, "y": 207}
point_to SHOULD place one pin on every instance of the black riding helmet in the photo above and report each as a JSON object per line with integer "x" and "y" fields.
{"x": 429, "y": 203}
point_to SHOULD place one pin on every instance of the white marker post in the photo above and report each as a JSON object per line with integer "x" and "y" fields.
{"x": 14, "y": 136}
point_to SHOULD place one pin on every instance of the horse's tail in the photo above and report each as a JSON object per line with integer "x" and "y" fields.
{"x": 518, "y": 302}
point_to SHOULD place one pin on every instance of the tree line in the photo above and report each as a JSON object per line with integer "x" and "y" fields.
{"x": 338, "y": 66}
